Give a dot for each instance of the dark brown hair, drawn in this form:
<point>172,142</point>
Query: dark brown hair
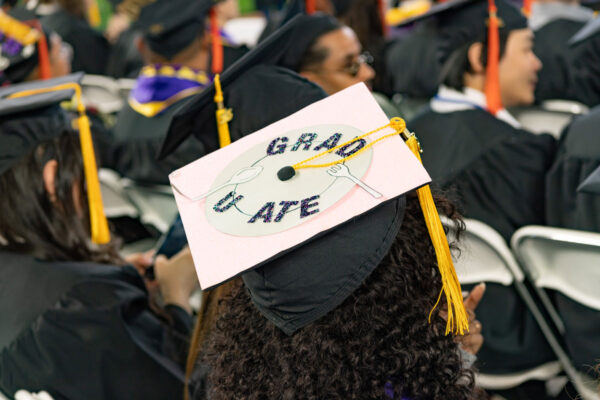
<point>32,223</point>
<point>458,64</point>
<point>377,341</point>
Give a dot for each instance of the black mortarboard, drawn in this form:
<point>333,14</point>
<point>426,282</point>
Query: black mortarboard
<point>30,114</point>
<point>27,121</point>
<point>23,47</point>
<point>305,242</point>
<point>255,87</point>
<point>591,184</point>
<point>169,26</point>
<point>305,284</point>
<point>587,31</point>
<point>464,21</point>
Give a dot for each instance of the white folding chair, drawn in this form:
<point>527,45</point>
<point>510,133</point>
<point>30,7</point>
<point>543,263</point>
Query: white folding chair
<point>156,203</point>
<point>551,117</point>
<point>115,201</point>
<point>126,85</point>
<point>567,261</point>
<point>485,257</point>
<point>101,92</point>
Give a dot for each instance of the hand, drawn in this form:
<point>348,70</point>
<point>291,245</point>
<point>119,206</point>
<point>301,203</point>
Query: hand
<point>176,278</point>
<point>473,340</point>
<point>141,262</point>
<point>116,25</point>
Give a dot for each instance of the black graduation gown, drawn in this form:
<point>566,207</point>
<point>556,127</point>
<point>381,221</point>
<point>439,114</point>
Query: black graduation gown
<point>90,48</point>
<point>496,173</point>
<point>85,331</point>
<point>124,59</point>
<point>412,62</point>
<point>551,47</point>
<point>578,156</point>
<point>135,157</point>
<point>584,79</point>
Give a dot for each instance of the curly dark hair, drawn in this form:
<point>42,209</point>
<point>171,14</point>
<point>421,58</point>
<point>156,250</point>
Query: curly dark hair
<point>377,341</point>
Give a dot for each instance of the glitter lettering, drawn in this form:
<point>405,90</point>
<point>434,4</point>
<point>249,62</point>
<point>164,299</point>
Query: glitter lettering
<point>347,151</point>
<point>219,207</point>
<point>280,148</point>
<point>266,213</point>
<point>285,205</point>
<point>330,143</point>
<point>307,204</point>
<point>305,139</point>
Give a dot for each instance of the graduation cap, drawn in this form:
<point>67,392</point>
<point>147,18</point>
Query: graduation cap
<point>23,46</point>
<point>462,22</point>
<point>591,184</point>
<point>255,85</point>
<point>30,114</point>
<point>587,31</point>
<point>304,242</point>
<point>169,26</point>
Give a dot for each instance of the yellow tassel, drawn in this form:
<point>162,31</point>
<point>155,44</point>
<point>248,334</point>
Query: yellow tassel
<point>458,321</point>
<point>98,222</point>
<point>94,17</point>
<point>223,115</point>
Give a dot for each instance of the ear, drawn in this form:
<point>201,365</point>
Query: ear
<point>49,176</point>
<point>474,56</point>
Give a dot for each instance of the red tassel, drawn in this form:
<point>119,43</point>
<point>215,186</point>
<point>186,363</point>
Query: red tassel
<point>311,7</point>
<point>217,47</point>
<point>381,8</point>
<point>45,71</point>
<point>492,77</point>
<point>527,4</point>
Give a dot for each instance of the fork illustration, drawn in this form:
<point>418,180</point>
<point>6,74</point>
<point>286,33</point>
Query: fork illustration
<point>342,171</point>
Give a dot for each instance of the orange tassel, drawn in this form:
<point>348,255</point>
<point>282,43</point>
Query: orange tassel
<point>527,4</point>
<point>217,47</point>
<point>311,8</point>
<point>492,78</point>
<point>43,55</point>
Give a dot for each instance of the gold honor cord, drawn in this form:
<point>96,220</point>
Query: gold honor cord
<point>99,225</point>
<point>458,321</point>
<point>223,115</point>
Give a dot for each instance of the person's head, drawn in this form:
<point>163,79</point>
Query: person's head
<point>463,50</point>
<point>44,207</point>
<point>377,341</point>
<point>518,67</point>
<point>334,61</point>
<point>173,31</point>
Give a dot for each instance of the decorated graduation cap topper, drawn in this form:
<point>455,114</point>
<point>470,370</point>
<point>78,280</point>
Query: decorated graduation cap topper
<point>308,177</point>
<point>237,198</point>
